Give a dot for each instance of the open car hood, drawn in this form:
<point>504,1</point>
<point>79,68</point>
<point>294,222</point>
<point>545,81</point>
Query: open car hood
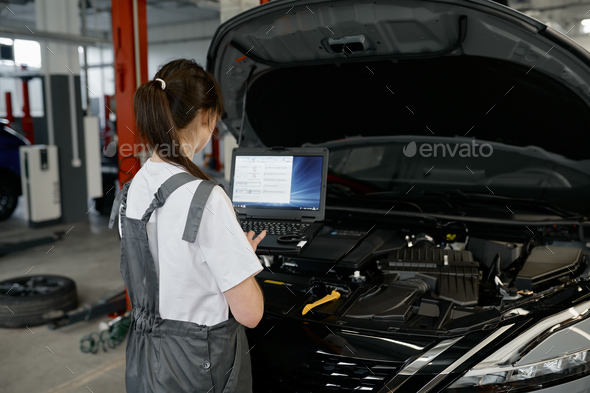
<point>369,80</point>
<point>318,71</point>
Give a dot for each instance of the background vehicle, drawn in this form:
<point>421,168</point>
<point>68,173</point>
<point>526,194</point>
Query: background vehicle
<point>10,184</point>
<point>468,269</point>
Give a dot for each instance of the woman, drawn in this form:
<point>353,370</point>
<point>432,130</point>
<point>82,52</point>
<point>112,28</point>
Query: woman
<point>185,261</point>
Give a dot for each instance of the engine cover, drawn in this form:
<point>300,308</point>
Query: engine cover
<point>454,274</point>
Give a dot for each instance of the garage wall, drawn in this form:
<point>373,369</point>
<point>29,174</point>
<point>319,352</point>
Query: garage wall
<point>160,54</point>
<point>187,40</point>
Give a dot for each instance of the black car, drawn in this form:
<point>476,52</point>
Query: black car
<point>459,171</point>
<point>10,183</point>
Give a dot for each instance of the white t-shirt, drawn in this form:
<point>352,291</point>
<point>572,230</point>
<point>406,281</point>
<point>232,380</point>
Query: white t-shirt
<point>192,276</point>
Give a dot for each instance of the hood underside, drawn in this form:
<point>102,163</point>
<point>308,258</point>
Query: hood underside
<point>447,96</point>
<point>317,71</point>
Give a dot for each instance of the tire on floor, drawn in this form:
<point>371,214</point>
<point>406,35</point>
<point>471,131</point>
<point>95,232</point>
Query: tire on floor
<point>35,300</point>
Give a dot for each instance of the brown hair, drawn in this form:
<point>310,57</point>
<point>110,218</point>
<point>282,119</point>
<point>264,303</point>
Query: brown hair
<point>161,114</point>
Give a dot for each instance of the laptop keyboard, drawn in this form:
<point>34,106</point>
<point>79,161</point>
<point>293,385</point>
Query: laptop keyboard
<point>278,228</point>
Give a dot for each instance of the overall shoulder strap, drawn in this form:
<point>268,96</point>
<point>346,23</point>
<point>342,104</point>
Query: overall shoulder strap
<point>167,188</point>
<point>196,210</point>
<point>117,203</point>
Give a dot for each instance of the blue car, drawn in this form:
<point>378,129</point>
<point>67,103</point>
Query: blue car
<point>10,184</point>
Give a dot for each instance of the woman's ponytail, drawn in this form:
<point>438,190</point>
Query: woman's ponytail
<point>169,103</point>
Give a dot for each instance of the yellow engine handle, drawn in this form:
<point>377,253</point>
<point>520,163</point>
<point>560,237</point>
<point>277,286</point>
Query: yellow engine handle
<point>333,296</point>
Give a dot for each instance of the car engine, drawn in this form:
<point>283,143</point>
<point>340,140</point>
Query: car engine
<point>418,280</point>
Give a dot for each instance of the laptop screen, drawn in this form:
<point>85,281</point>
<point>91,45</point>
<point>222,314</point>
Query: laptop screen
<point>277,182</point>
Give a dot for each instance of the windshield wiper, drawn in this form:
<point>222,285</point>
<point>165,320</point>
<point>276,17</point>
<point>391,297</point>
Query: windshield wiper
<point>405,197</point>
<point>457,195</point>
<point>526,203</point>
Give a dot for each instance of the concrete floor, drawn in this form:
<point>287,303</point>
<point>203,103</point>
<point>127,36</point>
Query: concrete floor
<point>44,360</point>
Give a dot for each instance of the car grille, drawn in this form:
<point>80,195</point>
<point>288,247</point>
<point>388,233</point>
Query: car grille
<point>322,372</point>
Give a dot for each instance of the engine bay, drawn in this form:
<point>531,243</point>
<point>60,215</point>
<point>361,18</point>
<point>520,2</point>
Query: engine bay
<point>419,279</point>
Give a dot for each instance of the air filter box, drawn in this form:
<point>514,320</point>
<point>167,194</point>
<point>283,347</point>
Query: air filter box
<point>544,264</point>
<point>454,274</point>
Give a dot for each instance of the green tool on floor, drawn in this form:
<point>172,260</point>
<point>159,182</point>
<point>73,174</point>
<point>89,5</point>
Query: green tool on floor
<point>111,337</point>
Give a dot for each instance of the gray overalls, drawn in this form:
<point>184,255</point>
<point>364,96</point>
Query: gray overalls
<point>166,355</point>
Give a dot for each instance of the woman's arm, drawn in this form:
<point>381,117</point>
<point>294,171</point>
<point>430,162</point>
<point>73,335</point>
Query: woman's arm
<point>245,299</point>
<point>246,302</point>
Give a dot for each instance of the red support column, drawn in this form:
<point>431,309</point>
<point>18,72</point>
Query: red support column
<point>130,72</point>
<point>126,77</point>
<point>9,115</point>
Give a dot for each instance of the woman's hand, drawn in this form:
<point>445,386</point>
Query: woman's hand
<point>254,242</point>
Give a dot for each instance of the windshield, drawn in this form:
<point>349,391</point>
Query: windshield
<point>408,166</point>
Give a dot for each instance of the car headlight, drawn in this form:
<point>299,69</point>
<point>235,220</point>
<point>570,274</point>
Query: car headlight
<point>525,364</point>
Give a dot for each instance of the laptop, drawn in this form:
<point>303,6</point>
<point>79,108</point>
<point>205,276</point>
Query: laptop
<point>282,190</point>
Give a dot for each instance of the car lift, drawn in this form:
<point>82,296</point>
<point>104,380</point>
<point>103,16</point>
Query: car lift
<point>114,304</point>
